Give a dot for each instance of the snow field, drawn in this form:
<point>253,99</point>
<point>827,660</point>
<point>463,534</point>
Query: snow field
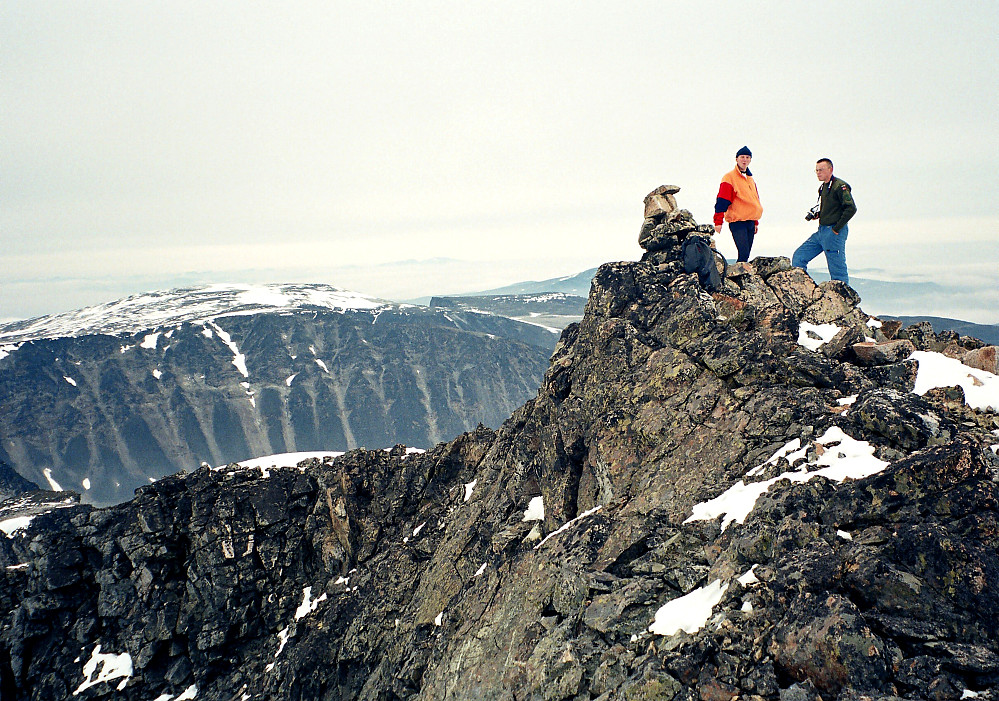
<point>981,388</point>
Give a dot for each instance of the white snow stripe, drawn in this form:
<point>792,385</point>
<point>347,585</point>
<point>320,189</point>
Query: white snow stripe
<point>565,526</point>
<point>239,360</point>
<point>843,458</point>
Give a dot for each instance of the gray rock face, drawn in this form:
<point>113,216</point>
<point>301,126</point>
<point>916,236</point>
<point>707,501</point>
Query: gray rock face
<point>117,411</point>
<point>383,575</point>
<point>12,484</point>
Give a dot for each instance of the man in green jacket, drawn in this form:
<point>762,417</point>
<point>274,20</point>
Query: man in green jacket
<point>836,206</point>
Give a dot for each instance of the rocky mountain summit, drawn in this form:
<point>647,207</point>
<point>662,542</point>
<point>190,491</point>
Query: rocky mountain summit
<point>751,494</point>
<point>105,399</point>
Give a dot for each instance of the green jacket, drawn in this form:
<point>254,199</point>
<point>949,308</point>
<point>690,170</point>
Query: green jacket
<point>837,205</point>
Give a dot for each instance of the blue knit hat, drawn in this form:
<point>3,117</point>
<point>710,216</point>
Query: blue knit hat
<point>744,151</point>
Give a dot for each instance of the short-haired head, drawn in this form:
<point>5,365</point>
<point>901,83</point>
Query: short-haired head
<point>824,160</point>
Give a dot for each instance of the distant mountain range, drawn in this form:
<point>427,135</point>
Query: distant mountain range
<point>554,310</point>
<point>986,332</point>
<point>578,284</point>
<point>554,303</point>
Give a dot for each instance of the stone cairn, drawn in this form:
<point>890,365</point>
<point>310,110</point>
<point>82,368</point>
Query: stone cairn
<point>666,225</point>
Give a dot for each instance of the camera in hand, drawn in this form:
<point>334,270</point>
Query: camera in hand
<point>813,213</point>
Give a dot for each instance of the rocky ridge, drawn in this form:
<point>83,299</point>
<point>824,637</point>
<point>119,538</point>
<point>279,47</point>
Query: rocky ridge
<point>384,575</point>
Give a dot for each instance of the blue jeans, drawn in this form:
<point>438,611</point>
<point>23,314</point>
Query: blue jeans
<point>825,241</point>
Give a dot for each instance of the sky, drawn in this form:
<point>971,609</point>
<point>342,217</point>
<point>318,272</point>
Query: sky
<point>409,149</point>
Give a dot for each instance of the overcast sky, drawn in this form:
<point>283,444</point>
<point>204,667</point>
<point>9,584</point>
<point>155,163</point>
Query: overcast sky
<point>154,144</point>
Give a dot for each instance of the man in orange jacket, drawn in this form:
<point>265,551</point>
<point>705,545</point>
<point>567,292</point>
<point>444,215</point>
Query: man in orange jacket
<point>738,203</point>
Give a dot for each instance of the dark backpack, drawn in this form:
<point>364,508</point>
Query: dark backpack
<point>699,257</point>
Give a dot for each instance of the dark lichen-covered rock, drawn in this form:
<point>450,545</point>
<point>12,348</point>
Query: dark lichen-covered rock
<point>388,574</point>
<point>885,353</point>
<point>908,420</point>
<point>826,641</point>
<point>12,484</point>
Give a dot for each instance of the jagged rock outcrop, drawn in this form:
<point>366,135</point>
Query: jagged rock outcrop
<point>104,414</point>
<point>12,484</point>
<point>384,575</point>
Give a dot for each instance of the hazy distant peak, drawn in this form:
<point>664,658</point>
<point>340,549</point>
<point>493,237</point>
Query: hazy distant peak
<point>188,304</point>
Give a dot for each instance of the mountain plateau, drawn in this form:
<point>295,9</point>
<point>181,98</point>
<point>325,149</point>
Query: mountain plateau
<point>108,398</point>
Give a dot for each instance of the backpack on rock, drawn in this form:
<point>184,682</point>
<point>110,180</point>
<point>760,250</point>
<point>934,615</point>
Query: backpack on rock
<point>699,257</point>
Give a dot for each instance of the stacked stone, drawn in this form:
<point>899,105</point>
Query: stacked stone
<point>666,225</point>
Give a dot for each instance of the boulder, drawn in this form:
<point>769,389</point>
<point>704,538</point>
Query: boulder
<point>908,420</point>
<point>983,359</point>
<point>826,640</point>
<point>661,201</point>
<point>920,334</point>
<point>741,269</point>
<point>890,328</point>
<point>841,345</point>
<point>886,353</point>
<point>795,289</point>
<point>766,266</point>
<point>836,303</point>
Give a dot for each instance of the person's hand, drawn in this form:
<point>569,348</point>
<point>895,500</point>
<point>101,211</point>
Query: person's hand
<point>835,233</point>
<point>717,228</point>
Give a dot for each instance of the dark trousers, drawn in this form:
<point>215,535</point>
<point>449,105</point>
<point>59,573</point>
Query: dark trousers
<point>743,233</point>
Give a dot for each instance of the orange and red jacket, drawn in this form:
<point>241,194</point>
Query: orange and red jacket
<point>738,198</point>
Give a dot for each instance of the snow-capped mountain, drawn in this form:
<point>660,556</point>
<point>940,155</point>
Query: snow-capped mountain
<point>104,399</point>
<point>190,305</point>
